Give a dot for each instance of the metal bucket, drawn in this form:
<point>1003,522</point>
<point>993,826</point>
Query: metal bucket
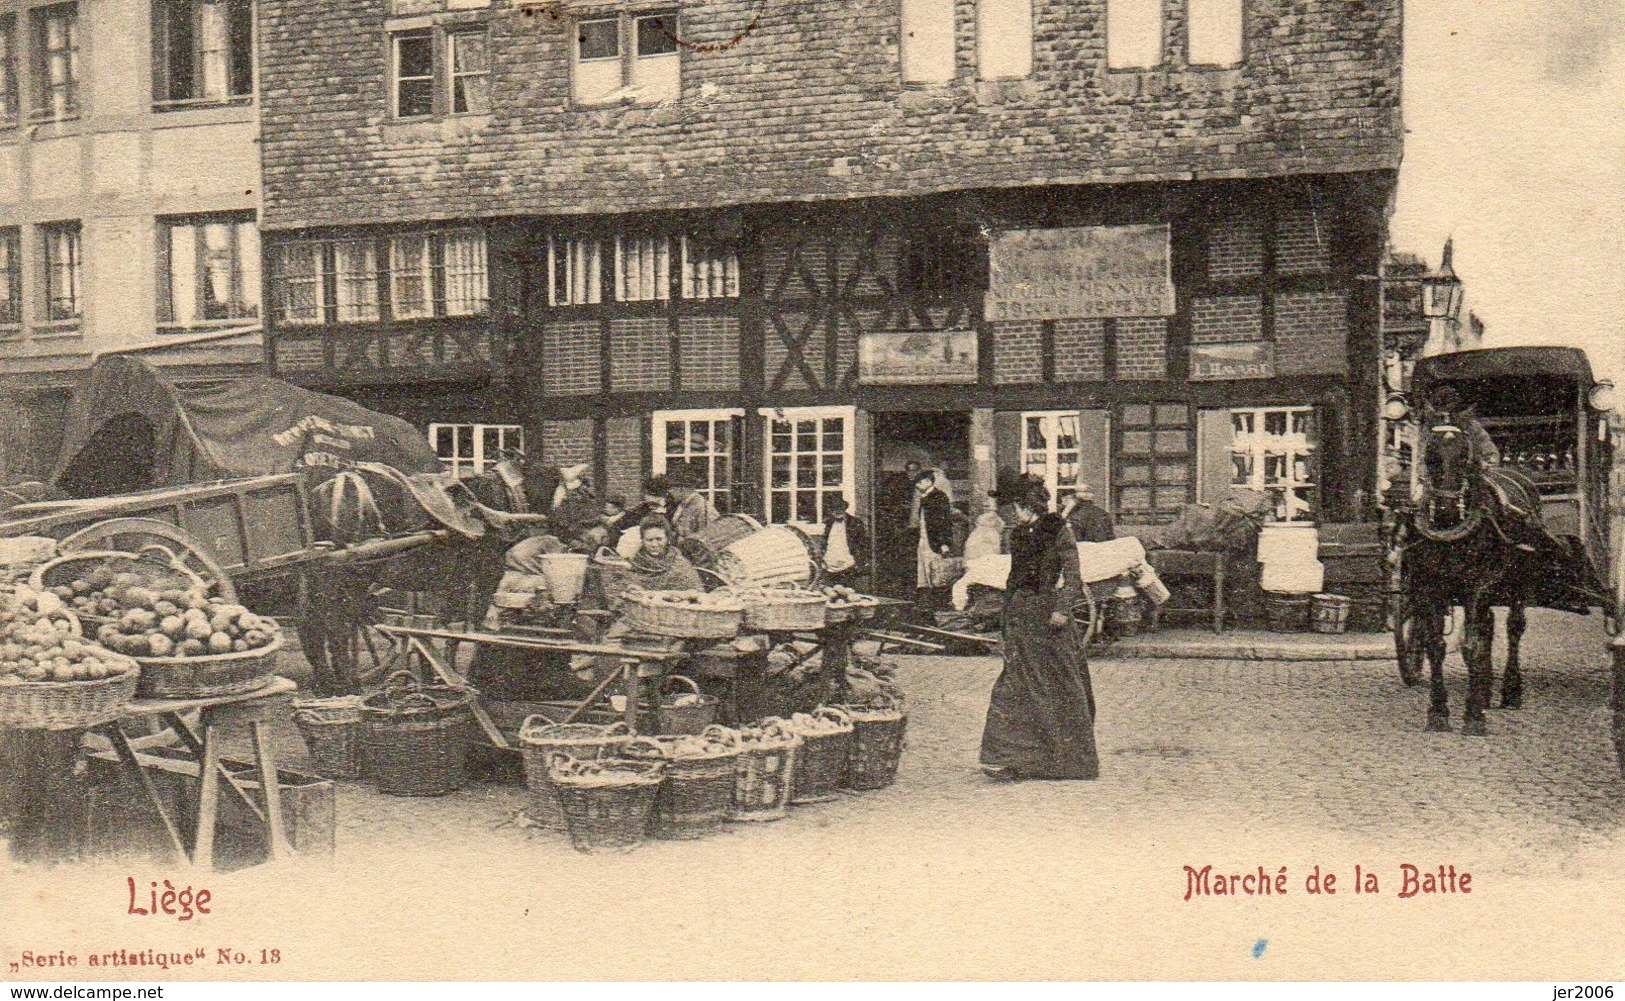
<point>565,573</point>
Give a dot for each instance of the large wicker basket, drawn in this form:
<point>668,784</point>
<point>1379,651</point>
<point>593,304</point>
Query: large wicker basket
<point>825,755</point>
<point>784,610</point>
<point>764,771</point>
<point>697,793</point>
<point>540,739</point>
<point>333,734</point>
<point>67,705</point>
<point>161,568</point>
<point>209,675</point>
<point>607,802</point>
<point>877,744</point>
<point>654,613</point>
<point>417,737</point>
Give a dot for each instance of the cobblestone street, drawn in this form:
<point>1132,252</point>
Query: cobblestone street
<point>1236,764</point>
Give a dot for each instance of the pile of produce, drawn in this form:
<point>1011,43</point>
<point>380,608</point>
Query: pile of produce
<point>566,770</point>
<point>107,591</point>
<point>840,596</point>
<point>152,624</point>
<point>713,742</point>
<point>39,641</point>
<point>769,732</point>
<point>823,724</point>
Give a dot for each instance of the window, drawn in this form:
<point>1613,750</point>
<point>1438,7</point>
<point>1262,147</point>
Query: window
<point>1049,450</point>
<point>471,449</point>
<point>11,277</point>
<point>55,58</point>
<point>927,47</point>
<point>706,442</point>
<point>1004,39</point>
<point>62,271</point>
<point>1153,480</point>
<point>1133,34</point>
<point>440,273</point>
<point>939,261</point>
<point>468,62</point>
<point>8,71</point>
<point>1273,450</point>
<point>574,271</point>
<point>208,269</point>
<point>642,269</point>
<point>414,74</point>
<point>202,51</point>
<point>631,57</point>
<point>709,272</point>
<point>809,462</point>
<point>1215,28</point>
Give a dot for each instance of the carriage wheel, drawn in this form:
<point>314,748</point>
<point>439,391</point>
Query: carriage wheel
<point>1089,616</point>
<point>130,535</point>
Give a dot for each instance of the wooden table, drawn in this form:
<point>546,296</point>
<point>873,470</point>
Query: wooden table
<point>215,715</point>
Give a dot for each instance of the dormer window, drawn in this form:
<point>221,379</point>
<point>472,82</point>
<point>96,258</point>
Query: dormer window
<point>630,58</point>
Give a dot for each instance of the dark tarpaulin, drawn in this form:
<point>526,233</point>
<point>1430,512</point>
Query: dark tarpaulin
<point>130,428</point>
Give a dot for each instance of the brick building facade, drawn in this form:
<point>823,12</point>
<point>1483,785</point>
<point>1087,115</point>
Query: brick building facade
<point>796,244</point>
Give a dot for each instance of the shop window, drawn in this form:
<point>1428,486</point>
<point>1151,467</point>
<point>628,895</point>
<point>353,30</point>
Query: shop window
<point>471,449</point>
<point>809,453</point>
<point>1273,449</point>
<point>62,273</point>
<point>704,441</point>
<point>709,272</point>
<point>1133,34</point>
<point>927,41</point>
<point>9,111</point>
<point>202,52</point>
<point>1153,475</point>
<point>632,57</point>
<point>437,274</point>
<point>208,269</point>
<point>1004,39</point>
<point>642,268</point>
<point>1215,32</point>
<point>11,281</point>
<point>54,58</point>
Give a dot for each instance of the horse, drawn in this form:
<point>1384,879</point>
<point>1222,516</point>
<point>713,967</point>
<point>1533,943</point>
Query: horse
<point>1475,540</point>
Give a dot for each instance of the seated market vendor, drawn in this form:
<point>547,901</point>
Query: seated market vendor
<point>658,566</point>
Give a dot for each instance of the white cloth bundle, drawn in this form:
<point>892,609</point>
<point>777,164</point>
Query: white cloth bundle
<point>1295,577</point>
<point>1096,561</point>
<point>1280,544</point>
<point>630,542</point>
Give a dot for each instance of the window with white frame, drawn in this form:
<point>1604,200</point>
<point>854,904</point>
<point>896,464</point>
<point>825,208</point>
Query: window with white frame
<point>11,280</point>
<point>709,272</point>
<point>302,292</point>
<point>1273,449</point>
<point>927,48</point>
<point>437,274</point>
<point>469,67</point>
<point>209,269</point>
<point>62,271</point>
<point>704,441</point>
<point>202,52</point>
<point>1133,34</point>
<point>574,271</point>
<point>440,71</point>
<point>1050,450</point>
<point>355,270</point>
<point>1004,39</point>
<point>428,274</point>
<point>1214,29</point>
<point>471,449</point>
<point>642,268</point>
<point>413,57</point>
<point>632,57</point>
<point>809,462</point>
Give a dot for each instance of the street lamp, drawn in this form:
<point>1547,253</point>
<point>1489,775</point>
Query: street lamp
<point>1441,290</point>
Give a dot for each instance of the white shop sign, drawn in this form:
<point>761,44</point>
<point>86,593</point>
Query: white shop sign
<point>1080,272</point>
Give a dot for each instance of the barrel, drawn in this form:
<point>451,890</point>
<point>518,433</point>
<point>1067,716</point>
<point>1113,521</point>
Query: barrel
<point>1126,614</point>
<point>1287,612</point>
<point>1329,613</point>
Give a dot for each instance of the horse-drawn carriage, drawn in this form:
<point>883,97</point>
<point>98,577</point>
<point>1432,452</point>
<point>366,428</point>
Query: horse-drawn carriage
<point>1509,508</point>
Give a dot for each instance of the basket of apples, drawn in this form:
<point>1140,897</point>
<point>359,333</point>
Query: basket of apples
<point>51,678</point>
<point>190,646</point>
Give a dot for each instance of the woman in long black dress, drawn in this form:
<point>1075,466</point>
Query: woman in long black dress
<point>1041,720</point>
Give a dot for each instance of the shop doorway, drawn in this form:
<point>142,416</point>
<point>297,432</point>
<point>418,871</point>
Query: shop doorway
<point>935,441</point>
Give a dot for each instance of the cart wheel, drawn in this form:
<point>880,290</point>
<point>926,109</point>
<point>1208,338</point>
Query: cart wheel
<point>131,534</point>
<point>1087,613</point>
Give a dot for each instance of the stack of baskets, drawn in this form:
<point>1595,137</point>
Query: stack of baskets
<point>878,726</point>
<point>778,554</point>
<point>764,770</point>
<point>826,752</point>
<point>540,739</point>
<point>416,737</point>
<point>332,731</point>
<point>697,792</point>
<point>606,803</point>
<point>684,614</point>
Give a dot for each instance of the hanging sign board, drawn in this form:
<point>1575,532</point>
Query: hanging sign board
<point>1252,360</point>
<point>1080,272</point>
<point>916,357</point>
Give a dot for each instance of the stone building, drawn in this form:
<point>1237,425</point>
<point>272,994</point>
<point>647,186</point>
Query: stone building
<point>1115,241</point>
<point>129,187</point>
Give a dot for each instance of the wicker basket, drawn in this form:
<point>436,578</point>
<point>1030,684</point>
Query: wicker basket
<point>416,737</point>
<point>646,613</point>
<point>162,569</point>
<point>764,771</point>
<point>785,610</point>
<point>724,532</point>
<point>210,675</point>
<point>778,554</point>
<point>606,803</point>
<point>67,705</point>
<point>333,734</point>
<point>821,768</point>
<point>698,791</point>
<point>671,718</point>
<point>877,744</point>
<point>540,739</point>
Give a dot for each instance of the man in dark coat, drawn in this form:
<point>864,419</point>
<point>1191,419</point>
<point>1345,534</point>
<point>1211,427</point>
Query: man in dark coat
<point>936,536</point>
<point>846,548</point>
<point>1089,521</point>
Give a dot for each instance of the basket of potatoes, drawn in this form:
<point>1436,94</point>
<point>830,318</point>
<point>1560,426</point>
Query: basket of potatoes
<point>51,678</point>
<point>195,648</point>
